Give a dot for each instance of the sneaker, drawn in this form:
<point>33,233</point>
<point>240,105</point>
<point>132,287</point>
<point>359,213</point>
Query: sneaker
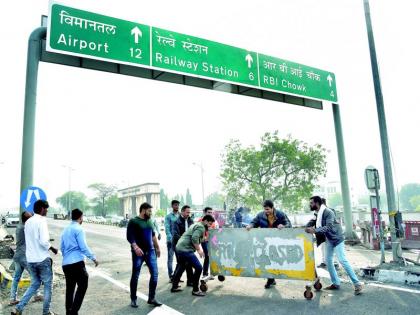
<point>16,312</point>
<point>333,287</point>
<point>322,265</point>
<point>176,289</point>
<point>269,283</point>
<point>198,293</point>
<point>210,277</point>
<point>154,302</point>
<point>134,304</point>
<point>13,302</point>
<point>358,289</point>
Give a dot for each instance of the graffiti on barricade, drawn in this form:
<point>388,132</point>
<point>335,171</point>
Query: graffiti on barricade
<point>262,253</point>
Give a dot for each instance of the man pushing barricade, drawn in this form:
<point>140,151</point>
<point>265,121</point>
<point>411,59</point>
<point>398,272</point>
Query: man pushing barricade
<point>187,245</point>
<point>327,229</point>
<point>270,218</point>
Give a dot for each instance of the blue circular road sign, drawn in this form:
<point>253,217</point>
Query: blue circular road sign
<point>29,196</point>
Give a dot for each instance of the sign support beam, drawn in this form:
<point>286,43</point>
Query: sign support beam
<point>28,140</point>
<point>345,191</point>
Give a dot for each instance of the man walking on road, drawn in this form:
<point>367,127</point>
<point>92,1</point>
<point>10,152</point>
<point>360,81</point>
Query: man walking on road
<point>144,248</point>
<point>326,228</point>
<point>180,227</point>
<point>19,260</point>
<point>74,250</point>
<point>37,240</point>
<point>270,218</point>
<point>186,247</point>
<point>169,223</point>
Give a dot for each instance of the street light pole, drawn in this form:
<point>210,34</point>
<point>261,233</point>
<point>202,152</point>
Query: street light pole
<point>202,179</point>
<point>386,156</point>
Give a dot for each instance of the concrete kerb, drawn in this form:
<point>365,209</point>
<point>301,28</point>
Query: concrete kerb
<point>410,276</point>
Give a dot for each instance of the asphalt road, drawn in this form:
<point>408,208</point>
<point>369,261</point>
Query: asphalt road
<point>107,293</point>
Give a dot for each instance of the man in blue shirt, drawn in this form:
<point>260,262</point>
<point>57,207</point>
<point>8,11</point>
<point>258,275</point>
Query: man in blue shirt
<point>74,250</point>
<point>170,220</point>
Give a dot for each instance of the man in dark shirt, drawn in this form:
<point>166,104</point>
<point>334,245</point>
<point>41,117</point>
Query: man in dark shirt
<point>180,226</point>
<point>144,248</point>
<point>270,218</point>
<point>19,260</point>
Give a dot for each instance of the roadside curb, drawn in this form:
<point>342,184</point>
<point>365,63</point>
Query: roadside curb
<point>404,277</point>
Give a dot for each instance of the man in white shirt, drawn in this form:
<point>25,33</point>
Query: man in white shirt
<point>39,261</point>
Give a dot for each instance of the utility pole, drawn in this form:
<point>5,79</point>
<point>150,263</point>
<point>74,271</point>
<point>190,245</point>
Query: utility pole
<point>389,182</point>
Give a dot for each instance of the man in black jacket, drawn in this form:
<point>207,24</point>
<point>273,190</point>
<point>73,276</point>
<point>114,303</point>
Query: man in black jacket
<point>327,229</point>
<point>270,218</point>
<point>181,225</point>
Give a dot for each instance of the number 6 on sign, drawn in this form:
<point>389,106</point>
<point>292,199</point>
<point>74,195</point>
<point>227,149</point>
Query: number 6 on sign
<point>135,53</point>
<point>251,76</point>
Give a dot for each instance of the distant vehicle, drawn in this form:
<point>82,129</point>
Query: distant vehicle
<point>12,220</point>
<point>99,219</point>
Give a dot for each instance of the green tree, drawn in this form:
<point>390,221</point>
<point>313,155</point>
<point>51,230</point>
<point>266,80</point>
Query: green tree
<point>335,200</point>
<point>77,200</point>
<point>215,200</point>
<point>165,203</point>
<point>406,193</point>
<point>188,198</point>
<point>283,170</point>
<point>415,202</point>
<point>103,192</point>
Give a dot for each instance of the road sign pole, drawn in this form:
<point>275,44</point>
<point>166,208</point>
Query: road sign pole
<point>389,181</point>
<point>345,191</point>
<point>34,56</point>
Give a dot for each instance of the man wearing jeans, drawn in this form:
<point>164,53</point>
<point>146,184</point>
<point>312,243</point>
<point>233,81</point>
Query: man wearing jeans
<point>144,248</point>
<point>326,228</point>
<point>170,220</point>
<point>205,243</point>
<point>39,261</point>
<point>187,245</point>
<point>74,250</point>
<point>19,260</point>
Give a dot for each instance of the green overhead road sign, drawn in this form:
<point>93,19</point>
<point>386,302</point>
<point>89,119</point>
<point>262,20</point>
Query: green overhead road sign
<point>82,33</point>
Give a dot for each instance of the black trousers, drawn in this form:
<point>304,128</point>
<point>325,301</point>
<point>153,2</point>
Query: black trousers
<point>188,269</point>
<point>76,274</point>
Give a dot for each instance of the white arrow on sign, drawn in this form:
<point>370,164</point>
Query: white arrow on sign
<point>249,59</point>
<point>29,196</point>
<point>137,33</point>
<point>329,78</point>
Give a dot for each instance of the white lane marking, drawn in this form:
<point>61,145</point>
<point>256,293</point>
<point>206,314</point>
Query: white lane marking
<point>164,309</point>
<point>393,288</point>
<point>325,274</point>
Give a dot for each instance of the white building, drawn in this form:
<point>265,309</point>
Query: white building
<point>132,197</point>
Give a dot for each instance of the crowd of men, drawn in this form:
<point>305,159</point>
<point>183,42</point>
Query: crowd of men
<point>184,239</point>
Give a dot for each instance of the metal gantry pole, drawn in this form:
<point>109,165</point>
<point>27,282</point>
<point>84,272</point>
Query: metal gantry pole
<point>28,140</point>
<point>345,191</point>
<point>389,181</point>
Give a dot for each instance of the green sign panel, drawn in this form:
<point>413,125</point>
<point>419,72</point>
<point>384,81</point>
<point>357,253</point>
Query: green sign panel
<point>83,33</point>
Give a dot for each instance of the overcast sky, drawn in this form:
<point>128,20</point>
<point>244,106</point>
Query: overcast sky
<point>125,131</point>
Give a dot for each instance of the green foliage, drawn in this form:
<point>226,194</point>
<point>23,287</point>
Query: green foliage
<point>188,198</point>
<point>215,200</point>
<point>77,200</point>
<point>407,192</point>
<point>160,213</point>
<point>104,194</point>
<point>164,200</point>
<point>283,170</point>
<point>335,200</point>
<point>415,202</point>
